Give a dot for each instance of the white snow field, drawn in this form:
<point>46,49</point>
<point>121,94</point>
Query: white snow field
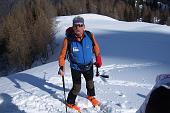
<point>133,54</point>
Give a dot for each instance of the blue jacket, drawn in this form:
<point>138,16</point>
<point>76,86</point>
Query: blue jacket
<point>80,53</point>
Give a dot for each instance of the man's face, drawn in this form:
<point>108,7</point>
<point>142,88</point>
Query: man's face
<point>78,29</point>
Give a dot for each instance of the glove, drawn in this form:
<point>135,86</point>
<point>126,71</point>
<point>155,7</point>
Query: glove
<point>61,71</point>
<point>98,61</point>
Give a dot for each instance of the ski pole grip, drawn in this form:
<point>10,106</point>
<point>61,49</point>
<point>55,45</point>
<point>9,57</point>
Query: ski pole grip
<point>97,71</point>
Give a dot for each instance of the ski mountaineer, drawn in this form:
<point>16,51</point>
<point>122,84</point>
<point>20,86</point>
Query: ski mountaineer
<point>80,45</point>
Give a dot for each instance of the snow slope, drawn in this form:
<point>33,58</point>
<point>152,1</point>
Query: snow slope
<point>133,53</point>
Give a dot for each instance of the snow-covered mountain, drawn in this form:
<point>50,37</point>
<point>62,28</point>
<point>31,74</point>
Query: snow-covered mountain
<point>133,53</point>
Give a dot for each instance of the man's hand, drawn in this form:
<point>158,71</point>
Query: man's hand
<point>61,71</point>
<point>98,61</point>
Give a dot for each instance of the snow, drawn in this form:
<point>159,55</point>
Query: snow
<point>133,54</point>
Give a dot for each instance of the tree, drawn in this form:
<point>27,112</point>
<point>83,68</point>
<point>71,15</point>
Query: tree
<point>168,21</point>
<point>18,40</point>
<point>119,10</point>
<point>146,14</point>
<point>27,31</point>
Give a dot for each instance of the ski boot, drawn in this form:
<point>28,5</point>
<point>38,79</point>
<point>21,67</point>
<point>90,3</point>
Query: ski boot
<point>94,101</point>
<point>74,107</point>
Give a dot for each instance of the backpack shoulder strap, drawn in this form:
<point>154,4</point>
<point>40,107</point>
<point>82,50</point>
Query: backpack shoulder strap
<point>89,35</point>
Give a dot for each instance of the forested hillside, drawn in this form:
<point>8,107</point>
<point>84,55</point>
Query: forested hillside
<point>26,27</point>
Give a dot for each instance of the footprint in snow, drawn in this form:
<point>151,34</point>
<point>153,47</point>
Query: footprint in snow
<point>121,105</point>
<point>120,94</point>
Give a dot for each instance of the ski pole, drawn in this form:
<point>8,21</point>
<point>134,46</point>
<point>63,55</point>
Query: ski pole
<point>97,71</point>
<point>64,93</point>
<point>98,74</point>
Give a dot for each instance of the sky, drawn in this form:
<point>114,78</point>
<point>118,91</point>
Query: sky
<point>133,54</point>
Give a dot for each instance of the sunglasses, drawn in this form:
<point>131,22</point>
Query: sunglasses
<point>78,25</point>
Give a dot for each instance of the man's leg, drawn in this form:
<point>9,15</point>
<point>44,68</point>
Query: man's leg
<point>76,78</point>
<point>88,75</point>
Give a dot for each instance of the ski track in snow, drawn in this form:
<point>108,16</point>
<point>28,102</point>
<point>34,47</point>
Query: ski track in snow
<point>129,83</point>
<point>107,68</point>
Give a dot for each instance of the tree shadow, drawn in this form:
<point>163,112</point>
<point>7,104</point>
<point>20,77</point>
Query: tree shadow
<point>6,105</point>
<point>39,83</point>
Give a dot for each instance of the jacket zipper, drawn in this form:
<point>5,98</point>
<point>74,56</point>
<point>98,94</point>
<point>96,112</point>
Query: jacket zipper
<point>83,51</point>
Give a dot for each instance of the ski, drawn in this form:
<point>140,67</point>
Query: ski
<point>74,108</point>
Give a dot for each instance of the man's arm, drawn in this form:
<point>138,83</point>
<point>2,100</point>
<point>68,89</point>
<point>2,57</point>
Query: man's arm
<point>96,50</point>
<point>63,54</point>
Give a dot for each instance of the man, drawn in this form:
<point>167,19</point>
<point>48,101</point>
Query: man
<point>80,46</point>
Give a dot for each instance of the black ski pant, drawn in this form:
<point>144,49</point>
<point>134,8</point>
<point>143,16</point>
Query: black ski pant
<point>76,78</point>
